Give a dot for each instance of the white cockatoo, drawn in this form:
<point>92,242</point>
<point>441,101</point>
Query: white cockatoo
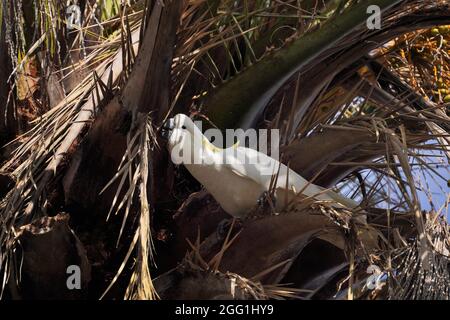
<point>238,177</point>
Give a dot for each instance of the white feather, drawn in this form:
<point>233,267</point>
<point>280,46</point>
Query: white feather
<point>237,177</point>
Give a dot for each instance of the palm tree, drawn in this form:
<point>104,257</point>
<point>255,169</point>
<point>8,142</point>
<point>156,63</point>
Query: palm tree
<point>86,180</point>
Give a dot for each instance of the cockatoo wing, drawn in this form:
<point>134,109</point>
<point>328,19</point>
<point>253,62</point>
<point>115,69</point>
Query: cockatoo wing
<point>247,162</point>
<point>262,169</point>
<point>267,171</point>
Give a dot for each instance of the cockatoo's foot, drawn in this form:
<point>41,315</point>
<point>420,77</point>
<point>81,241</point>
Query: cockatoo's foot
<point>224,227</point>
<point>266,202</point>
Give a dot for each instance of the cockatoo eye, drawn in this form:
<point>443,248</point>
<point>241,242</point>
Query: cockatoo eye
<point>183,127</point>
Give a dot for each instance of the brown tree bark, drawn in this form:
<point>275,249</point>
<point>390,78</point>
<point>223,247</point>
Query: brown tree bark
<point>8,122</point>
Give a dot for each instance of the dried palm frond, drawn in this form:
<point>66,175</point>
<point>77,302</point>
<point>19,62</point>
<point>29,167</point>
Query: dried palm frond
<point>141,286</point>
<point>251,287</point>
<point>45,147</point>
<point>411,279</point>
<point>135,166</point>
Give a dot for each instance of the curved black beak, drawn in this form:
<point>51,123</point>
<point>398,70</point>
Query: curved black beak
<point>167,128</point>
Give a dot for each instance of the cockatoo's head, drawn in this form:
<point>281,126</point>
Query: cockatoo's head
<point>178,129</point>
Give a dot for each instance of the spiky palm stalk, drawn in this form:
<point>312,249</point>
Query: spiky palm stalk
<point>135,165</point>
<point>315,72</point>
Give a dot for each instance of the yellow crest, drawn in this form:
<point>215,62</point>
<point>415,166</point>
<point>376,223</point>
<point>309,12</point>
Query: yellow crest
<point>213,148</point>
